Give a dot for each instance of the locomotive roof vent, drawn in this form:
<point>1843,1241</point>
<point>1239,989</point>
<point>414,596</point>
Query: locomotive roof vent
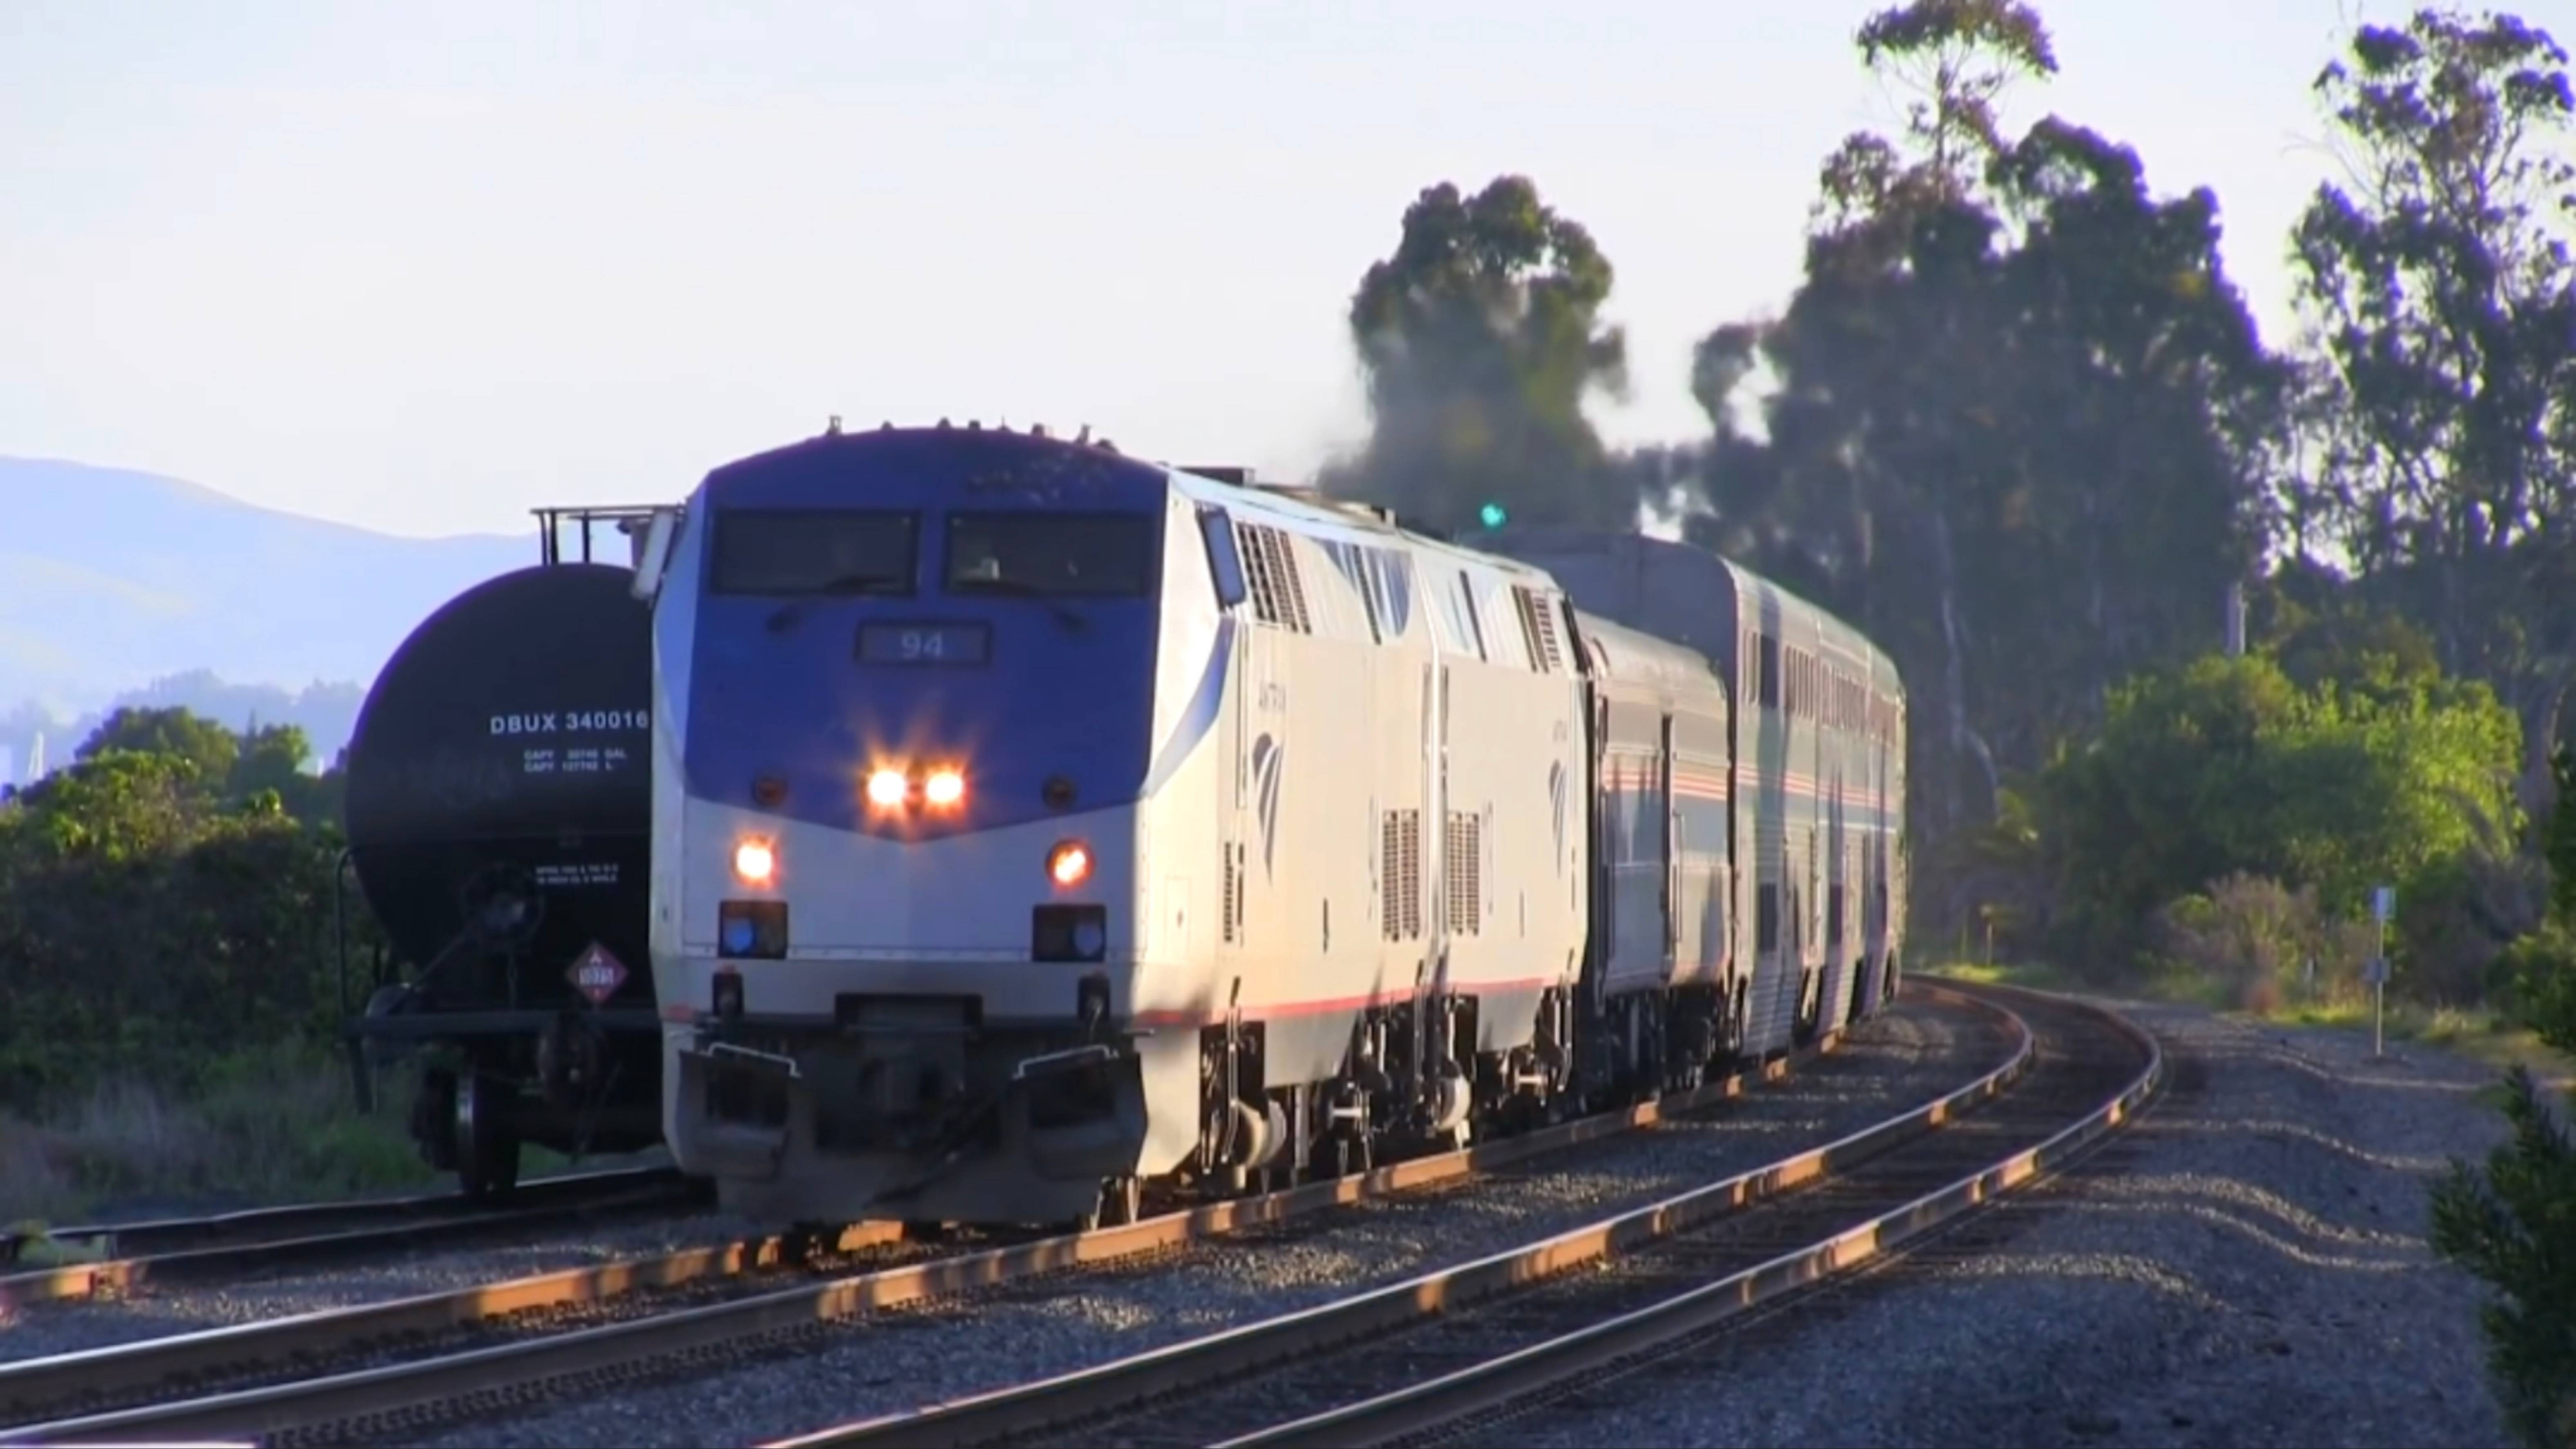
<point>1315,497</point>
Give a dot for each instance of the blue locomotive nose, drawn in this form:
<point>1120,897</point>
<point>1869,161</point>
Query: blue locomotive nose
<point>922,635</point>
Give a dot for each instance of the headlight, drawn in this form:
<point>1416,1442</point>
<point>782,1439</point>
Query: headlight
<point>886,789</point>
<point>754,861</point>
<point>944,788</point>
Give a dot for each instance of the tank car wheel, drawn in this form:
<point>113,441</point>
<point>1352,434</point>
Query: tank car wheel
<point>487,1149</point>
<point>433,1120</point>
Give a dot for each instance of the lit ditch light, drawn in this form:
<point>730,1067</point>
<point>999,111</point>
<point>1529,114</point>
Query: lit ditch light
<point>1069,864</point>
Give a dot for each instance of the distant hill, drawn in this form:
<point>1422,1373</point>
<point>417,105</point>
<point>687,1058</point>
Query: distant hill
<point>111,580</point>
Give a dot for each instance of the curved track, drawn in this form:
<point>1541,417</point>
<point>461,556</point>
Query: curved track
<point>390,1398</point>
<point>127,1255</point>
<point>1424,1357</point>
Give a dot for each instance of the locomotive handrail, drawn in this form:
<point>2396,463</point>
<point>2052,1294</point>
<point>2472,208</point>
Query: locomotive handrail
<point>552,518</point>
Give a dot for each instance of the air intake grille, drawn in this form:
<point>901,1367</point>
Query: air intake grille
<point>1464,857</point>
<point>1233,895</point>
<point>1400,874</point>
<point>1270,569</point>
<point>1538,627</point>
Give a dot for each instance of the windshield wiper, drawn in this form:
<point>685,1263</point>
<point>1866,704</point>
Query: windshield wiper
<point>1018,589</point>
<point>786,614</point>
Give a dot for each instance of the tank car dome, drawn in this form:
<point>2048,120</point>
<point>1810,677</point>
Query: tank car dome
<point>503,757</point>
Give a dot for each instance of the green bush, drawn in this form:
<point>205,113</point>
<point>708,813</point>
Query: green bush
<point>2253,944</point>
<point>2226,766</point>
<point>2513,1223</point>
<point>168,1008</point>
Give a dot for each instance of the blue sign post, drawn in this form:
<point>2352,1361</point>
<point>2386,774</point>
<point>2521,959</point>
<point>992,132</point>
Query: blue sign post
<point>2383,909</point>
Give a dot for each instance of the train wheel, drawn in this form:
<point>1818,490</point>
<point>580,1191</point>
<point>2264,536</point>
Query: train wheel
<point>487,1146</point>
<point>1122,1201</point>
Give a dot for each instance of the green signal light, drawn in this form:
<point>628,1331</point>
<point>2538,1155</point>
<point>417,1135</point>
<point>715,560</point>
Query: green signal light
<point>1491,515</point>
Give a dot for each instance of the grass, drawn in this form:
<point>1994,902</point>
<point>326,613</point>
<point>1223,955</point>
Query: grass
<point>2034,975</point>
<point>2473,1032</point>
<point>269,1125</point>
<point>273,1124</point>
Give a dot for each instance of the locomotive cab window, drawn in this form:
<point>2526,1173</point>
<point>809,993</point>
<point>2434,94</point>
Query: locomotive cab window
<point>1086,554</point>
<point>812,551</point>
<point>1225,563</point>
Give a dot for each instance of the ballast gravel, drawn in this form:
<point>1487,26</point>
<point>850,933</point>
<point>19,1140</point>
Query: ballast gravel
<point>897,1360</point>
<point>2248,1266</point>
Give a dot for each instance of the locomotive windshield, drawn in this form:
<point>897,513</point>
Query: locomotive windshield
<point>1088,554</point>
<point>813,551</point>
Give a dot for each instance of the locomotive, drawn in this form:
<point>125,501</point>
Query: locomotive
<point>1036,823</point>
<point>498,813</point>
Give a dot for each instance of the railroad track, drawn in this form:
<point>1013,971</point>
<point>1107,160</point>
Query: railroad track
<point>124,1256</point>
<point>233,1375</point>
<point>1425,1359</point>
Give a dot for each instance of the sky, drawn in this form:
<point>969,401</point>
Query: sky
<point>423,268</point>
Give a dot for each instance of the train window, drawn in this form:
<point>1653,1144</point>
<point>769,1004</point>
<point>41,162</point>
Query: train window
<point>1766,918</point>
<point>1770,676</point>
<point>1093,554</point>
<point>1475,627</point>
<point>812,551</point>
<point>1224,563</point>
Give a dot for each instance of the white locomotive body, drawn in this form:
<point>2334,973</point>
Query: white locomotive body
<point>1035,822</point>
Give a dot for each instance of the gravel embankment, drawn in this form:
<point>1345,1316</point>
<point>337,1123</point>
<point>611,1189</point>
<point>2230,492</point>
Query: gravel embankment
<point>2247,1267</point>
<point>1012,1334</point>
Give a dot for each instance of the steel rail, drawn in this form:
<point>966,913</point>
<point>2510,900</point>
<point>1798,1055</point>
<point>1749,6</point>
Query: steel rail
<point>1082,1395</point>
<point>366,1394</point>
<point>1534,1371</point>
<point>173,1249</point>
<point>38,1385</point>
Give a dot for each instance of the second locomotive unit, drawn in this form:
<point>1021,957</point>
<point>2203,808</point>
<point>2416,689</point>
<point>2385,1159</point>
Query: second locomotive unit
<point>1035,822</point>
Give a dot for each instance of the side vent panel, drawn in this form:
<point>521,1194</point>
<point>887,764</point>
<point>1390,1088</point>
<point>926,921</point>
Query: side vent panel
<point>1400,875</point>
<point>1466,872</point>
<point>1538,629</point>
<point>1233,894</point>
<point>1270,567</point>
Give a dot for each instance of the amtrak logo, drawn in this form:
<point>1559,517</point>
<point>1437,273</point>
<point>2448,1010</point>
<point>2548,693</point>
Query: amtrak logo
<point>1556,805</point>
<point>1266,755</point>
